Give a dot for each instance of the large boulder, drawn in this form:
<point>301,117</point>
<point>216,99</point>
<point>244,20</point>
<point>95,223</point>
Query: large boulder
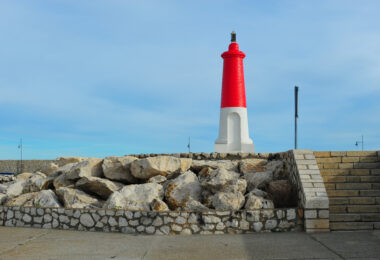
<point>135,196</point>
<point>15,189</point>
<point>282,193</point>
<point>87,168</point>
<point>258,179</point>
<point>238,185</point>
<point>62,181</point>
<point>61,161</point>
<point>24,176</point>
<point>198,165</point>
<point>119,169</point>
<point>218,179</point>
<point>228,201</point>
<point>64,169</point>
<point>192,204</point>
<point>99,186</point>
<point>3,188</point>
<point>255,202</point>
<point>37,183</point>
<point>160,165</point>
<point>180,189</point>
<point>45,198</point>
<point>73,198</point>
<point>50,169</point>
<point>252,165</point>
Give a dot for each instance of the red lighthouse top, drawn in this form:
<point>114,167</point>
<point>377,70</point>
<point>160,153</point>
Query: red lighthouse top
<point>233,87</point>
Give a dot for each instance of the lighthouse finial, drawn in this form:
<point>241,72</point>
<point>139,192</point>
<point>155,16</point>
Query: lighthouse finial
<point>233,36</point>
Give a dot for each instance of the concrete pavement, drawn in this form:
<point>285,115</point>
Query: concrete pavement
<point>29,243</point>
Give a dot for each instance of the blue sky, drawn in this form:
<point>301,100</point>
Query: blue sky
<point>98,78</point>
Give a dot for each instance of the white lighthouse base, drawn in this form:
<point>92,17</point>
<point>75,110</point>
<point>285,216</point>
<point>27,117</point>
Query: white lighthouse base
<point>233,131</point>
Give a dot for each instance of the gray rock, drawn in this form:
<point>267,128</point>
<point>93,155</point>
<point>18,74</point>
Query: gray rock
<point>87,168</point>
<point>219,179</point>
<point>73,198</point>
<point>157,179</point>
<point>119,169</point>
<point>258,179</point>
<point>86,220</point>
<point>254,202</point>
<point>102,187</point>
<point>180,189</point>
<point>37,183</point>
<point>252,165</point>
<point>135,196</point>
<point>228,201</point>
<point>192,204</point>
<point>16,188</point>
<point>160,165</point>
<point>50,169</point>
<point>62,181</point>
<point>238,185</point>
<point>229,165</point>
<point>45,198</point>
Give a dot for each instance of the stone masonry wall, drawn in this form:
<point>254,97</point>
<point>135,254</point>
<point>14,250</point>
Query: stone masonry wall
<point>312,197</point>
<point>352,180</point>
<point>13,166</point>
<point>158,223</point>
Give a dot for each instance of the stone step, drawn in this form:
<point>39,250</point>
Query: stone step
<point>354,209</point>
<point>354,225</point>
<point>353,193</point>
<point>351,179</point>
<point>349,172</point>
<point>354,217</point>
<point>355,201</point>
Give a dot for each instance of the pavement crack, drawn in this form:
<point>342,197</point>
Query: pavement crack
<point>328,248</point>
<point>22,243</point>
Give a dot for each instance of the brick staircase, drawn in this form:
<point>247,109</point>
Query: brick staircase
<point>352,181</point>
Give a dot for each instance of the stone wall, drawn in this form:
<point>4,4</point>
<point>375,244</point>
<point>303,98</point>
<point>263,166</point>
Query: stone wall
<point>13,166</point>
<point>312,197</point>
<point>352,180</point>
<point>159,223</point>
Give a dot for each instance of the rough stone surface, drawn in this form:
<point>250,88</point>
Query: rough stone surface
<point>159,205</point>
<point>180,189</point>
<point>64,160</point>
<point>228,201</point>
<point>135,196</point>
<point>258,179</point>
<point>219,179</point>
<point>198,165</point>
<point>119,169</point>
<point>87,168</point>
<point>254,202</point>
<point>160,165</point>
<point>102,187</point>
<point>73,198</point>
<point>252,165</point>
<point>45,198</point>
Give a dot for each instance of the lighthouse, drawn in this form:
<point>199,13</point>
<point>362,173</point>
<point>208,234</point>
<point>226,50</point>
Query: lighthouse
<point>233,124</point>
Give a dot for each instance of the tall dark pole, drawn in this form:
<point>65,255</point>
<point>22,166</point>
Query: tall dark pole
<point>295,116</point>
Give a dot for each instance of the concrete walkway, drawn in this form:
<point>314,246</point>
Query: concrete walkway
<point>29,243</point>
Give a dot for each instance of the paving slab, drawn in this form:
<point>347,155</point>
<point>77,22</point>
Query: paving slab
<point>30,243</point>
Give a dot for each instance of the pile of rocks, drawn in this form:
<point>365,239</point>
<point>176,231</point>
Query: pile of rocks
<point>160,183</point>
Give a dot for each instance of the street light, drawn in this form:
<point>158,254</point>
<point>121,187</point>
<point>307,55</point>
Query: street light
<point>362,142</point>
